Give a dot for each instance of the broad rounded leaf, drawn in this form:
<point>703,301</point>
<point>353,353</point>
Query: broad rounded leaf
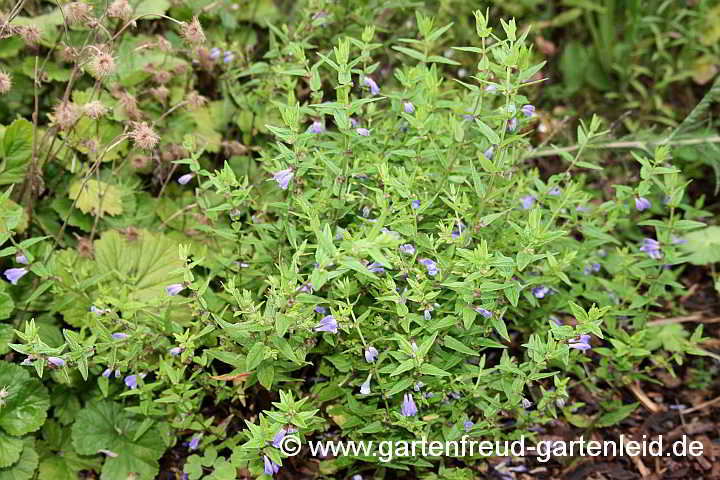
<point>104,425</point>
<point>92,196</point>
<point>10,448</point>
<point>703,246</point>
<point>24,468</point>
<point>25,408</point>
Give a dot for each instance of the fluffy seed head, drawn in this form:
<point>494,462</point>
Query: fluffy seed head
<point>162,77</point>
<point>65,115</point>
<point>195,100</point>
<point>30,34</point>
<point>120,9</point>
<point>102,64</point>
<point>160,93</point>
<point>5,82</point>
<point>193,32</point>
<point>77,12</point>
<point>143,136</point>
<point>95,109</point>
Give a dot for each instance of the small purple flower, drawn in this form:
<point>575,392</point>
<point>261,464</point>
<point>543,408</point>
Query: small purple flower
<point>376,267</point>
<point>371,354</point>
<point>365,387</point>
<point>468,117</point>
<point>580,343</point>
<point>459,228</point>
<point>593,267</point>
<point>317,128</point>
<point>15,274</point>
<point>652,248</point>
<point>20,258</point>
<point>540,291</point>
<point>408,107</point>
<point>57,361</point>
<point>528,110</point>
<point>485,313</point>
<point>321,310</point>
<point>512,125</point>
<point>363,131</point>
<point>305,288</point>
<point>117,373</point>
<point>215,53</point>
<point>120,336</point>
<point>491,89</point>
<point>271,468</point>
<point>194,441</point>
<point>327,324</point>
<point>229,56</point>
<point>107,373</point>
<point>97,311</point>
<point>374,89</point>
<point>555,191</point>
<point>409,409</point>
<point>174,289</point>
<point>278,438</point>
<point>415,204</point>
<point>407,248</point>
<point>642,203</point>
<point>185,179</point>
<point>283,177</point>
<point>468,425</point>
<point>427,314</point>
<point>582,208</point>
<point>431,266</point>
<point>354,122</point>
<point>131,381</point>
<point>175,351</point>
<point>527,201</point>
<point>489,152</point>
<point>677,240</point>
<point>418,386</point>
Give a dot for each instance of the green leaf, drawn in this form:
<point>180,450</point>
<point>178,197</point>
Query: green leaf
<point>10,448</point>
<point>103,425</point>
<point>24,468</point>
<point>92,196</point>
<point>27,402</point>
<point>255,356</point>
<point>430,369</point>
<point>144,263</point>
<point>266,375</point>
<point>150,7</point>
<point>16,151</point>
<point>703,246</point>
<point>616,416</point>
<point>458,346</point>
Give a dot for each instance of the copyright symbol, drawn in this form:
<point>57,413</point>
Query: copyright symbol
<point>290,445</point>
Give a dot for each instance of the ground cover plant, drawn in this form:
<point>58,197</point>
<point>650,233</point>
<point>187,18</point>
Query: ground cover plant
<point>224,224</point>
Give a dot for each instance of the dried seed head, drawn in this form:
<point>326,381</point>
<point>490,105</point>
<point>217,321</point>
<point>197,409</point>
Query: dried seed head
<point>102,64</point>
<point>162,77</point>
<point>120,9</point>
<point>195,100</point>
<point>65,115</point>
<point>84,246</point>
<point>67,53</point>
<point>77,12</point>
<point>95,109</point>
<point>139,161</point>
<point>143,136</point>
<point>5,82</point>
<point>30,34</point>
<point>193,32</point>
<point>180,68</point>
<point>163,44</point>
<point>129,105</point>
<point>160,93</point>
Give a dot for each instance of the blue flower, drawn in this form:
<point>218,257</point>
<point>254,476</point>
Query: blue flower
<point>194,441</point>
<point>485,313</point>
<point>20,258</point>
<point>175,351</point>
<point>489,152</point>
<point>652,248</point>
<point>185,179</point>
<point>491,89</point>
<point>271,468</point>
<point>215,53</point>
<point>107,373</point>
<point>120,336</point>
<point>321,310</point>
<point>540,291</point>
<point>527,201</point>
<point>468,425</point>
<point>407,248</point>
<point>57,361</point>
<point>278,438</point>
<point>365,387</point>
<point>317,127</point>
<point>408,107</point>
<point>174,289</point>
<point>642,203</point>
<point>371,354</point>
<point>363,131</point>
<point>427,314</point>
<point>131,381</point>
<point>459,228</point>
<point>677,240</point>
<point>229,57</point>
<point>415,204</point>
<point>305,288</point>
<point>374,89</point>
<point>376,267</point>
<point>555,191</point>
<point>512,125</point>
<point>327,324</point>
<point>580,343</point>
<point>431,266</point>
<point>528,110</point>
<point>409,409</point>
<point>283,177</point>
<point>15,274</point>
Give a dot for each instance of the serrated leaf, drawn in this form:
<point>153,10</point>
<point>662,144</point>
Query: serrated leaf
<point>24,468</point>
<point>25,408</point>
<point>94,196</point>
<point>103,425</point>
<point>703,246</point>
<point>10,448</point>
